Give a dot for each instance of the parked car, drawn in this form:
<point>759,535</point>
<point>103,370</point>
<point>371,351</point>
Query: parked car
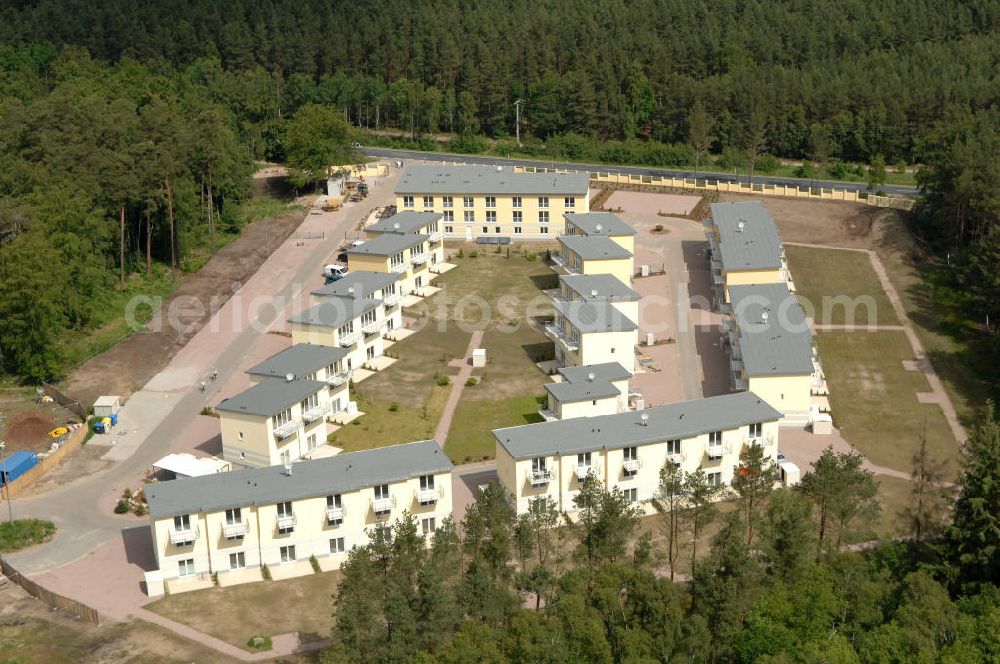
<point>333,272</point>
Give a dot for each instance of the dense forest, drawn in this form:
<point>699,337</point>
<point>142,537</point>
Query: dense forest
<point>207,87</point>
<point>774,584</point>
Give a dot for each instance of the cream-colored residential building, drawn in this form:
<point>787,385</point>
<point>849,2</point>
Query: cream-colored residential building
<point>592,333</point>
<point>626,451</point>
<point>579,254</point>
<point>382,286</point>
<point>598,288</point>
<point>584,391</point>
<point>771,350</point>
<point>745,248</point>
<point>477,200</point>
<point>277,421</point>
<point>304,362</point>
<point>233,524</point>
<point>601,224</point>
<point>356,324</point>
<point>410,255</point>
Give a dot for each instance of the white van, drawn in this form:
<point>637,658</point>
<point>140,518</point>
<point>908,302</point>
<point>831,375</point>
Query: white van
<point>333,272</point>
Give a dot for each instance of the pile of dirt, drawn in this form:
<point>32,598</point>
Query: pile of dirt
<point>29,430</point>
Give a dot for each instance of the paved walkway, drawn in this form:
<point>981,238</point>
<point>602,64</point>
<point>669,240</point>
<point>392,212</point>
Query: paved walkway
<point>457,386</point>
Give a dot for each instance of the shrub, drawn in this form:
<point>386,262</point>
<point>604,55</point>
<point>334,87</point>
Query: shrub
<point>215,579</point>
<point>393,407</point>
<point>766,164</point>
<point>460,254</point>
<point>658,228</point>
<point>24,533</point>
<point>206,410</point>
<point>259,643</point>
<point>122,507</point>
<point>468,458</point>
<point>471,381</point>
<point>805,171</point>
<point>443,380</point>
<point>530,256</point>
<point>139,509</point>
<point>265,573</point>
<point>473,254</point>
<point>315,564</point>
<point>127,494</point>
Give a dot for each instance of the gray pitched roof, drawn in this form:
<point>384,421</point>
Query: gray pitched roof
<point>594,248</point>
<point>388,244</point>
<point>748,236</point>
<point>483,179</point>
<point>781,345</point>
<point>671,422</point>
<point>298,360</point>
<point>575,392</point>
<point>594,316</point>
<point>607,371</point>
<point>335,311</point>
<point>596,287</point>
<point>363,283</point>
<point>342,473</point>
<point>599,223</point>
<point>270,396</point>
<point>405,222</point>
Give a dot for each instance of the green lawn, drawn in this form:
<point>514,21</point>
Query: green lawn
<point>23,533</point>
<point>471,434</point>
<point>821,274</point>
<point>267,608</point>
<point>893,496</point>
<point>384,424</point>
<point>874,398</point>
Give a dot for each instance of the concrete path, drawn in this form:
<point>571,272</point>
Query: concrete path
<point>457,386</point>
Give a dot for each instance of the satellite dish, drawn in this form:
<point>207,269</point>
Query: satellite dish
<point>645,419</point>
<point>499,169</point>
<point>598,228</point>
<point>289,377</point>
<point>590,376</point>
<point>396,225</point>
<point>764,316</point>
<point>593,292</point>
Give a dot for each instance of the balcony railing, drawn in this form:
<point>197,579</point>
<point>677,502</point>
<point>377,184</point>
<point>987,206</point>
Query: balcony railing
<point>238,529</point>
<point>349,339</point>
<point>631,465</point>
<point>286,521</point>
<point>547,414</point>
<point>371,328</point>
<point>285,430</point>
<point>390,299</point>
<point>583,471</point>
<point>334,513</point>
<point>399,268</point>
<point>338,379</point>
<point>419,259</point>
<point>436,236</point>
<point>562,263</point>
<point>677,457</point>
<point>316,412</point>
<point>183,536</point>
<point>383,505</point>
<point>429,495</point>
<point>540,477</point>
<point>557,334</point>
<point>717,450</point>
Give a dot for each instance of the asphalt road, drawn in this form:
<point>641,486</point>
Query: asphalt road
<point>899,190</point>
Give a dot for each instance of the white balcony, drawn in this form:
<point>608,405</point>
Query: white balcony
<point>421,258</point>
<point>428,495</point>
<point>390,299</point>
<point>383,505</point>
<point>285,430</point>
<point>238,529</point>
<point>316,412</point>
<point>286,521</point>
<point>348,339</point>
<point>436,236</point>
<point>717,450</point>
<point>371,328</point>
<point>399,268</point>
<point>563,264</point>
<point>338,379</point>
<point>557,334</point>
<point>583,471</point>
<point>334,513</point>
<point>631,465</point>
<point>548,415</point>
<point>540,477</point>
<point>179,537</point>
<point>679,457</point>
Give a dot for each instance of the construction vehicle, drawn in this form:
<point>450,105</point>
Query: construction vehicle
<point>332,205</point>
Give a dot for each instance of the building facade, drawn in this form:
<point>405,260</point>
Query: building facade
<point>745,248</point>
<point>591,256</point>
<point>410,255</point>
<point>592,333</point>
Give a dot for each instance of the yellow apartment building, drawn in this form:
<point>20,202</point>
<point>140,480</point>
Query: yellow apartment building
<point>592,333</point>
<point>233,524</point>
<point>771,349</point>
<point>358,325</point>
<point>745,248</point>
<point>601,224</point>
<point>583,391</point>
<point>579,254</point>
<point>626,451</point>
<point>278,421</point>
<point>410,255</point>
<point>598,288</point>
<point>478,200</point>
<point>363,285</point>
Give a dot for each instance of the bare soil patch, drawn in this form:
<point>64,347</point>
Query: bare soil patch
<point>29,430</point>
<point>127,366</point>
<point>640,202</point>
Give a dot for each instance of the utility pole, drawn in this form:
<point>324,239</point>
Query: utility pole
<point>517,122</point>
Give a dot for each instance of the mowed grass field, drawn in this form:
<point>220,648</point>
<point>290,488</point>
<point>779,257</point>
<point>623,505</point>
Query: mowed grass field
<point>823,274</point>
<point>874,399</point>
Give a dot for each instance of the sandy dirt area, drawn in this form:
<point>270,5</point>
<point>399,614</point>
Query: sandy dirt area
<point>644,203</point>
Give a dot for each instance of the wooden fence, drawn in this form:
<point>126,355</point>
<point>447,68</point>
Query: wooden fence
<point>73,442</point>
<point>65,401</point>
<point>51,599</point>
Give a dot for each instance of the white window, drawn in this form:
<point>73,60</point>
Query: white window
<point>368,317</point>
<point>428,201</point>
<point>309,402</point>
<point>673,447</point>
<point>427,526</point>
<point>426,482</point>
<point>543,216</point>
<point>630,454</point>
<point>755,430</point>
<point>334,502</point>
<point>486,229</point>
<point>286,458</point>
<point>447,201</point>
<point>383,504</point>
<point>515,201</point>
<point>543,201</point>
<point>237,560</point>
<point>284,417</point>
<point>517,217</point>
<point>538,465</point>
<point>491,216</point>
<point>467,201</point>
<point>449,229</point>
<point>469,216</point>
<point>714,479</point>
<point>185,567</point>
<point>449,215</point>
<point>288,553</point>
<point>517,230</point>
<point>311,442</point>
<point>715,438</point>
<point>569,201</point>
<point>491,201</point>
<point>583,459</point>
<point>407,201</point>
<point>631,495</point>
<point>285,518</point>
<point>544,230</point>
<point>182,522</point>
<point>337,545</point>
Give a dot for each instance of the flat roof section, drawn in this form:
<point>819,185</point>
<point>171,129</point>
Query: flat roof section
<point>342,473</point>
<point>335,311</point>
<point>748,236</point>
<point>359,284</point>
<point>595,317</point>
<point>597,287</point>
<point>594,248</point>
<point>781,344</point>
<point>483,179</point>
<point>299,360</point>
<point>270,397</point>
<point>577,392</point>
<point>388,244</point>
<point>599,223</point>
<point>407,221</point>
<point>607,371</point>
<point>671,422</point>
